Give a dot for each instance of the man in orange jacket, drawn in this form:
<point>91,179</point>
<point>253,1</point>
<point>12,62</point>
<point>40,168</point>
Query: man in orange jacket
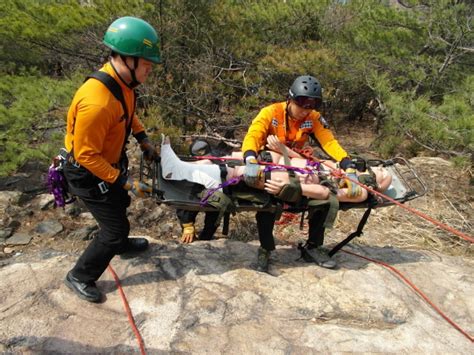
<point>98,124</point>
<point>293,122</point>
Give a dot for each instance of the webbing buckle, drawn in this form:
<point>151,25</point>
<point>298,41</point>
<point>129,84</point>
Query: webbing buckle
<point>63,153</point>
<point>73,162</point>
<point>103,187</point>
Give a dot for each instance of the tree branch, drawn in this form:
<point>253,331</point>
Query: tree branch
<point>433,149</point>
<point>234,143</point>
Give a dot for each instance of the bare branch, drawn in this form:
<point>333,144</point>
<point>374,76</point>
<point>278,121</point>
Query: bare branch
<point>65,51</point>
<point>434,149</point>
<point>234,143</point>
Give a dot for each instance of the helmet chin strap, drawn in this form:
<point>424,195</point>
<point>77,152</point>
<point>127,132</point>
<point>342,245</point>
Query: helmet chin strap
<point>134,83</point>
<point>288,111</point>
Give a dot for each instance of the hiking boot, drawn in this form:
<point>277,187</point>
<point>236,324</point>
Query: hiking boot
<point>263,260</point>
<point>86,290</point>
<point>320,256</point>
<point>134,247</point>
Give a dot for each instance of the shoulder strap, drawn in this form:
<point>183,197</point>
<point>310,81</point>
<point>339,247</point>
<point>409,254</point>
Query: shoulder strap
<point>116,90</point>
<point>113,87</point>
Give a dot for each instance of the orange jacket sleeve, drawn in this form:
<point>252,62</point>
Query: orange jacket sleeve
<point>329,144</point>
<point>91,129</point>
<point>258,131</point>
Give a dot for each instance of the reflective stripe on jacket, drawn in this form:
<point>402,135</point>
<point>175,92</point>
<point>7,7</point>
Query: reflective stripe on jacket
<point>271,121</point>
<point>95,115</point>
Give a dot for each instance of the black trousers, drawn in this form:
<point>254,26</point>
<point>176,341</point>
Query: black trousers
<point>210,222</point>
<point>266,223</point>
<point>109,210</point>
<point>316,227</point>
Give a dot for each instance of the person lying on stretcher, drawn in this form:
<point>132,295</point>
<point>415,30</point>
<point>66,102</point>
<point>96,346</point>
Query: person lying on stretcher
<point>311,179</point>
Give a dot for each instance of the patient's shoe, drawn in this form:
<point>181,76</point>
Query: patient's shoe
<point>319,255</point>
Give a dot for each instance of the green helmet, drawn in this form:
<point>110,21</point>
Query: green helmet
<point>133,37</point>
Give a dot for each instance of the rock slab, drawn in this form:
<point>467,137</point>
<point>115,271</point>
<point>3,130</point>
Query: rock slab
<point>207,298</point>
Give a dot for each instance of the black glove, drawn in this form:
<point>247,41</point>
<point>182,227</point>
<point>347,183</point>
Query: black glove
<point>149,151</point>
<point>347,163</point>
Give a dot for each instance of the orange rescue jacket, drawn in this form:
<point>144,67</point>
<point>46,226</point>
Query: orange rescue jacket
<point>273,120</point>
<point>95,128</point>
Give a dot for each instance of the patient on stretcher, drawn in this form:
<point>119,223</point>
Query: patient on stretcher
<point>308,175</point>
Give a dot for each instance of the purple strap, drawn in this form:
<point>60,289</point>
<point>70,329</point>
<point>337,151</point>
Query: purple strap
<point>313,164</point>
<point>237,179</point>
<point>233,181</point>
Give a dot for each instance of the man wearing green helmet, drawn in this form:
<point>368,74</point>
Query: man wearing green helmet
<point>99,121</point>
<point>134,38</point>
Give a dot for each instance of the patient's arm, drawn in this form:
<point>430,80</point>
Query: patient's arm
<point>274,144</point>
<point>175,169</point>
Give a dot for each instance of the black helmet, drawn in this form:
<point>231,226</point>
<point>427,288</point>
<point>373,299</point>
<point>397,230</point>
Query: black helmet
<point>199,147</point>
<point>306,91</point>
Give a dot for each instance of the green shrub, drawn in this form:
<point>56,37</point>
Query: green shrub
<point>32,117</point>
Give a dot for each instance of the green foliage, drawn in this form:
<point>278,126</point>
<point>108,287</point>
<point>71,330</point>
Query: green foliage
<point>410,66</point>
<point>31,113</point>
<point>405,65</point>
<point>59,35</point>
<point>447,127</point>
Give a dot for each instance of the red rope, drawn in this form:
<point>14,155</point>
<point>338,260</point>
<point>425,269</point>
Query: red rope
<point>417,290</point>
<point>131,320</point>
<point>340,174</point>
<point>416,212</point>
<point>283,166</point>
<point>286,218</point>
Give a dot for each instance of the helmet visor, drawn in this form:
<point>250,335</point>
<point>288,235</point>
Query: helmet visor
<point>307,102</point>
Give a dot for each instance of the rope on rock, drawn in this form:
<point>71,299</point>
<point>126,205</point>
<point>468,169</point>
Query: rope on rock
<point>416,289</point>
<point>131,320</point>
<point>341,174</point>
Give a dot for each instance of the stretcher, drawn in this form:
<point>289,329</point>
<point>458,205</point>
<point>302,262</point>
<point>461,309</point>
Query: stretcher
<point>406,185</point>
